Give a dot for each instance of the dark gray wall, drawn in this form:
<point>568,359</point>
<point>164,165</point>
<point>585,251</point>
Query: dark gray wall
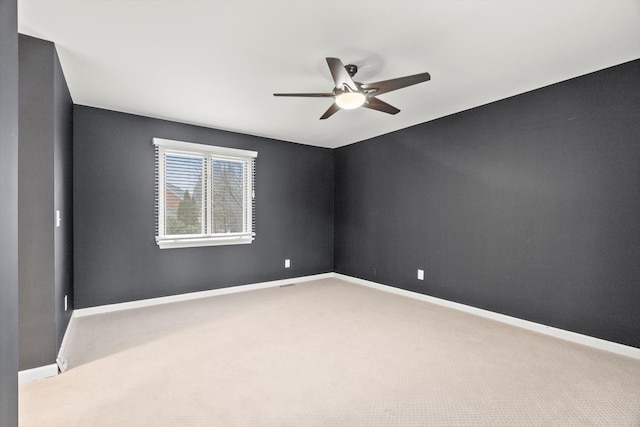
<point>36,240</point>
<point>116,258</point>
<point>45,261</point>
<point>528,206</point>
<point>8,213</point>
<point>63,199</point>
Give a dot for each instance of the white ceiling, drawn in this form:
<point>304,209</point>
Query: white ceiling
<point>217,63</point>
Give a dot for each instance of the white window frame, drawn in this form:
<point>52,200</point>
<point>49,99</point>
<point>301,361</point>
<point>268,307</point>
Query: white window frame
<point>246,157</point>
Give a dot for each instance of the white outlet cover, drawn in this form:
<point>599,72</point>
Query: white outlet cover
<point>420,274</point>
<point>287,263</point>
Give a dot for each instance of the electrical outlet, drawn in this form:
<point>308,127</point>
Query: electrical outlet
<point>66,306</point>
<point>287,263</point>
<point>58,218</point>
<point>420,274</point>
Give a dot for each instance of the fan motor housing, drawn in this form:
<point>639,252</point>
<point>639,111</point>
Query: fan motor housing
<point>351,69</point>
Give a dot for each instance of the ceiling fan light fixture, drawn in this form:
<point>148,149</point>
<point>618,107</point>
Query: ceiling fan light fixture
<point>349,94</point>
<point>350,100</point>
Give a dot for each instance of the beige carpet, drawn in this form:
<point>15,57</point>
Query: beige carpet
<point>325,353</point>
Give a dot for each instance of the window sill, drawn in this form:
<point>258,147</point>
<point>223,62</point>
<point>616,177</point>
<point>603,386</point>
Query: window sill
<point>167,243</point>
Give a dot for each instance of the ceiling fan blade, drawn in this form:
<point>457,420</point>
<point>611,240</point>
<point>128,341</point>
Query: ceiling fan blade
<point>340,75</point>
<point>306,95</point>
<point>331,111</point>
<point>394,84</point>
<point>376,104</point>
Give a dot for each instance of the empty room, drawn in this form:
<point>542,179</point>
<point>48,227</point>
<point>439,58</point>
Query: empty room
<point>320,213</point>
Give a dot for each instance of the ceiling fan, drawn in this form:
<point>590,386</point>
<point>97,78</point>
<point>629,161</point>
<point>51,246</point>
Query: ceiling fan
<point>349,94</point>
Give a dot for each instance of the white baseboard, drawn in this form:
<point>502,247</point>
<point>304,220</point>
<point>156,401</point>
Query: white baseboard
<point>46,371</point>
<point>61,360</point>
<point>195,295</point>
<point>38,373</point>
<point>598,343</point>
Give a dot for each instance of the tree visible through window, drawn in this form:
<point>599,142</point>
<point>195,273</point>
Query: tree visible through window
<point>204,194</point>
<point>183,190</point>
<point>227,188</point>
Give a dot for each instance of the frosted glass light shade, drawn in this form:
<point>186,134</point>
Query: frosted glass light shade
<point>350,100</point>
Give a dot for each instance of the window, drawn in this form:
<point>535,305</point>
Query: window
<point>204,195</point>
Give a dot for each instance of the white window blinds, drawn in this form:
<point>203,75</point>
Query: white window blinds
<point>204,194</point>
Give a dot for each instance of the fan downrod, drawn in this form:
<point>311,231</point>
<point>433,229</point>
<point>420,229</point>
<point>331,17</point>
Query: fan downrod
<point>351,69</point>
